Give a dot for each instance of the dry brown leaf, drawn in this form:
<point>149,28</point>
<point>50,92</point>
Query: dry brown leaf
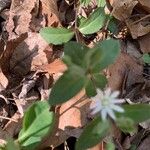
<point>125,68</point>
<point>144,42</point>
<point>30,54</point>
<point>50,11</point>
<point>20,17</point>
<point>24,18</point>
<point>122,9</point>
<point>138,29</point>
<point>145,4</point>
<point>57,66</point>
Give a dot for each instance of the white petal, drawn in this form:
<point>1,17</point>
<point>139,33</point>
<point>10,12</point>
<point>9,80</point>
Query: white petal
<point>107,92</point>
<point>95,104</point>
<point>111,114</point>
<point>114,94</point>
<point>96,110</point>
<point>117,108</point>
<point>103,114</point>
<point>118,101</point>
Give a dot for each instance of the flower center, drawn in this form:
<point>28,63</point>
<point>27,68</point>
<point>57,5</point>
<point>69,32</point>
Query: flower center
<point>105,102</point>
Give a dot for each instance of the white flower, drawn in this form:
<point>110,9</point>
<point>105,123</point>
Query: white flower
<point>105,103</point>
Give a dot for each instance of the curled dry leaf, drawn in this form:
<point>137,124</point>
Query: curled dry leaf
<point>122,9</point>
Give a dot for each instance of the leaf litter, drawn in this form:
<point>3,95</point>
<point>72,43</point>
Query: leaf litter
<point>29,66</point>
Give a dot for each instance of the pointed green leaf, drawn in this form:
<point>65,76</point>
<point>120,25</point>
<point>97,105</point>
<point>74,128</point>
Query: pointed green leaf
<point>94,22</point>
<point>37,122</point>
<point>76,52</point>
<point>100,80</point>
<point>137,112</point>
<point>95,81</point>
<point>102,55</point>
<point>109,50</point>
<point>56,36</point>
<point>67,86</point>
<point>90,88</point>
<point>93,134</point>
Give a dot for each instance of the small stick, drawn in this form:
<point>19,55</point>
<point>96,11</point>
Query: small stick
<point>6,118</point>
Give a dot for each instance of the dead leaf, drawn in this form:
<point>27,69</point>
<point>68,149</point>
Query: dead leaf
<point>30,54</point>
<point>139,28</point>
<point>125,66</point>
<point>144,43</point>
<point>123,9</point>
<point>145,4</point>
<point>57,66</point>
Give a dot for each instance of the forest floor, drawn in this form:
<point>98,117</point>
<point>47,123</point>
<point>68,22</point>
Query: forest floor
<point>29,66</point>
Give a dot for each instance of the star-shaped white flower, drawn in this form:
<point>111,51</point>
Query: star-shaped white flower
<point>106,103</point>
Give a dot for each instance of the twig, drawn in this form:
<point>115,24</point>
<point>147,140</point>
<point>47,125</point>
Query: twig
<point>6,118</point>
<point>145,17</point>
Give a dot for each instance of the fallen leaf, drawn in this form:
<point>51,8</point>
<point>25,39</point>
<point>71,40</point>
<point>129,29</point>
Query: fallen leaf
<point>3,81</point>
<point>57,66</point>
<point>125,66</point>
<point>139,28</point>
<point>144,43</point>
<point>145,4</point>
<point>123,9</point>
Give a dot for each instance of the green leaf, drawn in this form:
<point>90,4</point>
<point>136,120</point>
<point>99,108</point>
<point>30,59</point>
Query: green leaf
<point>101,3</point>
<point>90,88</point>
<point>127,125</point>
<point>112,26</point>
<point>56,36</point>
<point>146,58</point>
<point>93,134</point>
<point>94,22</point>
<point>38,121</point>
<point>102,55</point>
<point>109,50</point>
<point>95,81</point>
<point>67,86</point>
<point>76,52</point>
<point>110,146</point>
<point>100,80</point>
<point>137,112</point>
<point>85,2</point>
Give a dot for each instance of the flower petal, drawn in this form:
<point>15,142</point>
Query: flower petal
<point>117,108</point>
<point>118,101</point>
<point>111,114</point>
<point>96,110</point>
<point>114,94</point>
<point>107,92</point>
<point>103,114</point>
